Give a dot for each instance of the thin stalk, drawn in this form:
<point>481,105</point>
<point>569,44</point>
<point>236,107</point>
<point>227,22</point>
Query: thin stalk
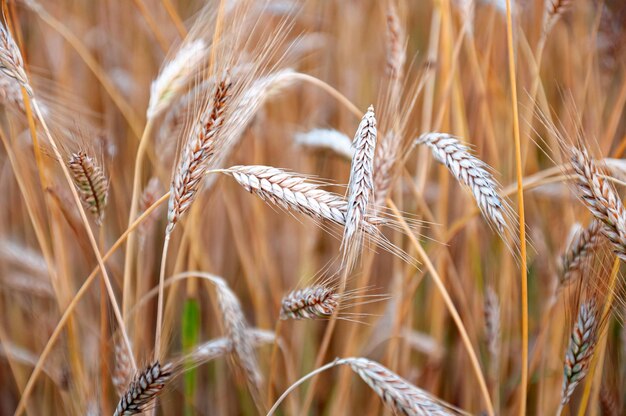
<point>134,207</point>
<point>125,108</point>
<point>520,201</point>
<point>297,383</point>
<point>451,308</point>
<point>67,313</point>
<point>159,320</point>
<point>154,27</point>
<point>308,400</point>
<point>171,11</point>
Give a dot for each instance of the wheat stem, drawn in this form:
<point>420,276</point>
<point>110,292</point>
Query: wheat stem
<point>482,384</point>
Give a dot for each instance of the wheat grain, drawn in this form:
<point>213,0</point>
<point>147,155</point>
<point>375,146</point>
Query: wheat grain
<point>472,173</point>
<point>601,199</point>
<point>143,390</point>
<point>91,182</point>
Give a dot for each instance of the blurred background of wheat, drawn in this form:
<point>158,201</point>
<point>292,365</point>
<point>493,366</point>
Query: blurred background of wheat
<point>425,66</point>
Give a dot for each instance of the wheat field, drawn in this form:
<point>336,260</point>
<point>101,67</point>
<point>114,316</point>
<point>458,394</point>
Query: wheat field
<point>312,207</point>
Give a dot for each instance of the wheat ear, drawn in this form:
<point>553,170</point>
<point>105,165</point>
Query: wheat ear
<point>91,182</point>
<point>471,172</point>
<point>197,151</point>
<point>174,75</point>
<point>142,391</point>
<point>360,187</point>
<point>397,393</point>
<point>311,302</point>
<point>554,10</point>
<point>579,351</point>
<point>236,331</point>
<point>579,251</point>
<point>327,139</point>
<point>601,199</point>
<point>492,325</point>
<point>11,62</point>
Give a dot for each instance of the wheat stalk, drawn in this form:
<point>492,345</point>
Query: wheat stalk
<point>198,149</point>
<point>580,350</point>
<point>601,199</point>
<point>360,186</point>
<point>142,391</point>
<point>471,172</point>
<point>91,183</point>
<point>580,249</point>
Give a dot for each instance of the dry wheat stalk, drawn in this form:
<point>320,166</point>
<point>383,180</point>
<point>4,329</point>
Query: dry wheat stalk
<point>492,324</point>
<point>601,199</point>
<point>471,172</point>
<point>91,182</point>
<point>142,391</point>
<point>174,76</point>
<point>198,149</point>
<point>578,252</point>
<point>11,60</point>
<point>360,186</point>
<point>396,392</point>
<point>580,349</point>
<point>312,302</point>
<point>151,193</point>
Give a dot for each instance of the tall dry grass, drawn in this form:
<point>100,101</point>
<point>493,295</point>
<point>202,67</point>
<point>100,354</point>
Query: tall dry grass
<point>393,189</point>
